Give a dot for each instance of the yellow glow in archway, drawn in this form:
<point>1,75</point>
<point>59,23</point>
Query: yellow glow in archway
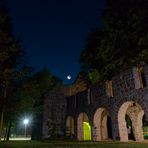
<point>87,131</point>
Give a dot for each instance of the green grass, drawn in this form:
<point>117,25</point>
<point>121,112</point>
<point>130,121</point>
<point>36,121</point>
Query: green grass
<point>71,144</point>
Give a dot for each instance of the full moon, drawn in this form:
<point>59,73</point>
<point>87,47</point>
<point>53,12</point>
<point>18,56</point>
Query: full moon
<point>69,77</point>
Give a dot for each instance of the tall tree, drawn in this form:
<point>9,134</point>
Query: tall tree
<point>33,89</point>
<point>11,59</point>
<point>32,94</point>
<point>124,40</point>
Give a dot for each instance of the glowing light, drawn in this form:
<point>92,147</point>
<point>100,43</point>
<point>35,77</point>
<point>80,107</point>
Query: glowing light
<point>26,121</point>
<point>87,131</point>
<point>69,77</point>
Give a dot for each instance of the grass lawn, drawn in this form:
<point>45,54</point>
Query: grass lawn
<point>71,144</point>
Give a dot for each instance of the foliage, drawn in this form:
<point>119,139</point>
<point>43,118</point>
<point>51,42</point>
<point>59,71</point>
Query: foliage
<point>121,42</point>
<point>11,52</point>
<point>33,90</point>
<point>12,55</point>
<point>13,66</point>
<point>20,91</point>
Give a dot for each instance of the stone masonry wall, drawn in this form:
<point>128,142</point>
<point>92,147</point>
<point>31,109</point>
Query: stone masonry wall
<point>54,114</point>
<point>123,91</point>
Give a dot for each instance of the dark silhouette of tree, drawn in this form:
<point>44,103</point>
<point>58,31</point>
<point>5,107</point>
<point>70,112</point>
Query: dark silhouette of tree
<point>12,60</point>
<point>28,97</point>
<point>34,88</point>
<point>32,94</point>
<point>20,90</point>
<point>121,42</point>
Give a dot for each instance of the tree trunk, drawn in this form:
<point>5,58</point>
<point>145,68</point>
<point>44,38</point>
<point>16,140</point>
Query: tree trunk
<point>1,124</point>
<point>6,131</point>
<point>2,112</point>
<point>9,130</point>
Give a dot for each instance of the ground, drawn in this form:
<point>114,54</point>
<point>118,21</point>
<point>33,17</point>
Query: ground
<point>72,144</point>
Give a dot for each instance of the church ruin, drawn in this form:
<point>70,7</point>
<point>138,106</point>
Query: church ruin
<point>115,109</point>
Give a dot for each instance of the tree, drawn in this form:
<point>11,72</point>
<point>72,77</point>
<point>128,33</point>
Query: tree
<point>28,97</point>
<point>34,88</point>
<point>12,63</point>
<point>125,24</point>
<point>31,94</point>
<point>91,57</point>
<point>123,40</point>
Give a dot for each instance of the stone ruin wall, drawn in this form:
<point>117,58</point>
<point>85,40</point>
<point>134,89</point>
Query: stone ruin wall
<point>126,89</point>
<point>123,95</point>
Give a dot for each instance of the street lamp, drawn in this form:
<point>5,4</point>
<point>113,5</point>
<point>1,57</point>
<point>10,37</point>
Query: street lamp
<point>26,121</point>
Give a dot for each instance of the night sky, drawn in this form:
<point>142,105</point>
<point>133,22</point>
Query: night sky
<point>53,32</point>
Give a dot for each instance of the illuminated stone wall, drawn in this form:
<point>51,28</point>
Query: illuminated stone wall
<point>105,105</point>
<point>128,97</point>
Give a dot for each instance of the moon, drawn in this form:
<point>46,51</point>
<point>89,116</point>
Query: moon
<point>68,77</point>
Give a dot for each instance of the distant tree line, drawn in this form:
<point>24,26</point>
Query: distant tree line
<point>120,43</point>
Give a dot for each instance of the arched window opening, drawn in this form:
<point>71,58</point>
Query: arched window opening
<point>83,127</point>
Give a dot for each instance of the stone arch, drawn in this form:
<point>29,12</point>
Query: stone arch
<point>100,120</point>
<point>83,127</point>
<point>135,113</point>
<point>70,126</point>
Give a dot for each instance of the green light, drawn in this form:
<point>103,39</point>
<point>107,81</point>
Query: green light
<point>87,131</point>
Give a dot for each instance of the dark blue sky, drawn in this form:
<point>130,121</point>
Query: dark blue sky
<point>53,32</point>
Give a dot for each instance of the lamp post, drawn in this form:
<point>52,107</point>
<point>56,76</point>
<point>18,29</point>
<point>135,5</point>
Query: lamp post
<point>26,121</point>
